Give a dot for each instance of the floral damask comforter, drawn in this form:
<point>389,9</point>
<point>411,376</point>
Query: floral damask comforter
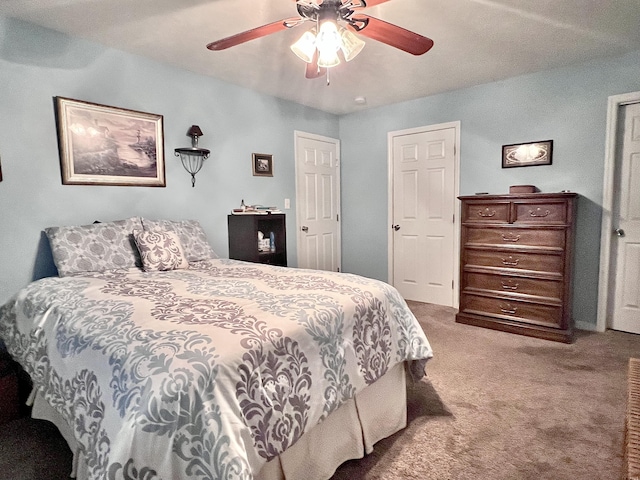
<point>204,373</point>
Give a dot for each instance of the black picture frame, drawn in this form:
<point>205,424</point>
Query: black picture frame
<point>262,165</point>
<point>527,154</point>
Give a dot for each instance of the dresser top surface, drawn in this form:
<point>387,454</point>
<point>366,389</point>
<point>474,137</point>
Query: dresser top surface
<point>511,196</point>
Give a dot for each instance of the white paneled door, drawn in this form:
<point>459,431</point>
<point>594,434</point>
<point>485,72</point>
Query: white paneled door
<point>423,204</point>
<point>318,201</point>
<point>626,310</point>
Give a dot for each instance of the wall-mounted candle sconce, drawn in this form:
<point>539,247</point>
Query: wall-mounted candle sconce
<point>193,157</point>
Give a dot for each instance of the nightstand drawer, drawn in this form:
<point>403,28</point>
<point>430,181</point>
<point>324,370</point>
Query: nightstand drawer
<point>547,315</point>
<point>516,237</point>
<point>514,285</point>
<point>521,261</point>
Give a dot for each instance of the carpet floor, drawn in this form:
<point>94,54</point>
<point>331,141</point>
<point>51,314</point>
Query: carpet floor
<point>498,406</point>
<point>493,406</point>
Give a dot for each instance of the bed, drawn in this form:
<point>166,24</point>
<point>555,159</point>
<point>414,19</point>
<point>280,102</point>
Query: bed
<point>157,360</point>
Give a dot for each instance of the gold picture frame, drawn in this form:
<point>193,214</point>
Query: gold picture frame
<point>262,164</point>
<point>103,145</point>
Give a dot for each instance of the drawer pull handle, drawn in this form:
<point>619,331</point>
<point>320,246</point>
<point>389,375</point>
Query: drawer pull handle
<point>510,262</point>
<point>486,212</point>
<point>510,237</point>
<point>539,213</point>
<point>508,308</point>
<point>509,285</point>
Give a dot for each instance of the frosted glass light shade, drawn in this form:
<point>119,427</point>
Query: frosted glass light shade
<point>328,37</point>
<point>328,43</point>
<point>351,44</point>
<point>305,47</point>
<point>328,59</point>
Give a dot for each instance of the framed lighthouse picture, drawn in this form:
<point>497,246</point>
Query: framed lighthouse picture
<point>103,145</point>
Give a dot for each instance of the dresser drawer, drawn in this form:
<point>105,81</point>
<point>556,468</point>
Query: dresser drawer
<point>517,285</point>
<point>536,262</point>
<point>548,213</point>
<point>516,237</point>
<point>489,212</point>
<point>547,315</point>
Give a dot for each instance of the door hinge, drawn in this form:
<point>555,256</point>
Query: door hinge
<point>337,217</point>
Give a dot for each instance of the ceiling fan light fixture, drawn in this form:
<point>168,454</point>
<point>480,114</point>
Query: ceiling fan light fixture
<point>305,47</point>
<point>351,44</point>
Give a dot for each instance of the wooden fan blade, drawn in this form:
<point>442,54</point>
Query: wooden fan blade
<point>393,35</point>
<point>313,71</point>
<point>252,34</point>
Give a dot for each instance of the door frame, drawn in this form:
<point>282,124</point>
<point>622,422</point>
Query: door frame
<point>604,299</point>
<point>298,134</point>
<point>456,186</point>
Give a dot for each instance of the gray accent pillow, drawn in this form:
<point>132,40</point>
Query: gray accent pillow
<point>192,236</point>
<point>95,248</point>
<point>160,250</point>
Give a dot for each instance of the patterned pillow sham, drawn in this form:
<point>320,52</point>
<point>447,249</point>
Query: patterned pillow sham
<point>160,250</point>
<point>192,236</point>
<point>95,248</point>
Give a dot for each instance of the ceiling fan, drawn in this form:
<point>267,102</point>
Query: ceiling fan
<point>335,22</point>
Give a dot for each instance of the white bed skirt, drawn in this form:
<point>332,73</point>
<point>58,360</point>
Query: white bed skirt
<point>348,433</point>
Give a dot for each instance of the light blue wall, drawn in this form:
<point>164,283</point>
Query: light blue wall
<point>38,64</point>
<point>568,105</point>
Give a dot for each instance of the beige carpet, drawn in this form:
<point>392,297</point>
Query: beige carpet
<point>497,406</point>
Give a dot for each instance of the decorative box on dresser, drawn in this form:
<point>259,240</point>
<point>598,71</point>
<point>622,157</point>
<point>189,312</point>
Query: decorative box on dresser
<point>516,263</point>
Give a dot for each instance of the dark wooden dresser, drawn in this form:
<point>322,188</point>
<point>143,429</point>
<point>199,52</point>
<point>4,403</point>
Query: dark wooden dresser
<point>516,263</point>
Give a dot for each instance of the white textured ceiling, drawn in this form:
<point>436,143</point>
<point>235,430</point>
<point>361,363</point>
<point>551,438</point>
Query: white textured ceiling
<point>476,41</point>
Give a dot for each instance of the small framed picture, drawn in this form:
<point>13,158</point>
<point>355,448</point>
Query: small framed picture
<point>262,165</point>
<point>527,154</point>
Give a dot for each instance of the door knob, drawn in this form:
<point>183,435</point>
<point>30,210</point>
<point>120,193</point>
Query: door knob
<point>305,229</point>
<point>395,227</point>
<point>619,232</point>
